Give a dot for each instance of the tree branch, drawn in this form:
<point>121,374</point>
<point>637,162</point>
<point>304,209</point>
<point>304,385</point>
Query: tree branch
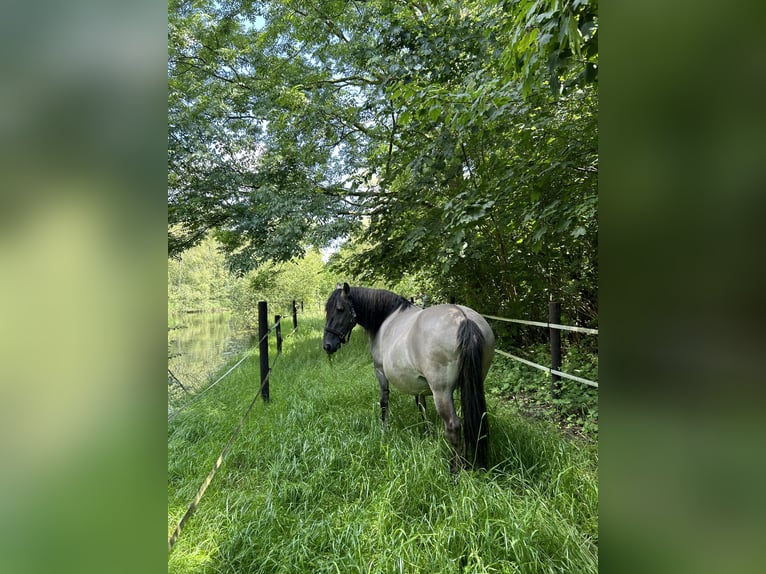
<point>344,81</point>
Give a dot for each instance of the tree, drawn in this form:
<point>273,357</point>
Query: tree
<point>199,279</point>
<point>250,150</point>
<point>302,280</point>
<point>456,140</point>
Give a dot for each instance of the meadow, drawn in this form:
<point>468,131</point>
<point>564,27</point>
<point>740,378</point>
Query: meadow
<point>314,484</point>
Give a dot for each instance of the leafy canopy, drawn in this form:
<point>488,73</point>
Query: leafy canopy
<point>456,141</point>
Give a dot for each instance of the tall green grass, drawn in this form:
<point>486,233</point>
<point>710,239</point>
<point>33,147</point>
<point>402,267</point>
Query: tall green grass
<point>313,483</point>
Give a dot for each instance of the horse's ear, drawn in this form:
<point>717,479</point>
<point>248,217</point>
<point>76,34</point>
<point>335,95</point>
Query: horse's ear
<point>338,286</point>
<point>346,288</point>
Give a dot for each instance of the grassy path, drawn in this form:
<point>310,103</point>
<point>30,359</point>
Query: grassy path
<point>313,484</point>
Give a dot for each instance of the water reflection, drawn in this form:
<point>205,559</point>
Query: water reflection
<point>199,345</point>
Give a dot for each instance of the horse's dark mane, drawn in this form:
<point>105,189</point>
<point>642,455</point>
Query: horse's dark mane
<point>372,306</point>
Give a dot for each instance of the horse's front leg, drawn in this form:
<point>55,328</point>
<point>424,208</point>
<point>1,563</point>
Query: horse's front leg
<point>383,382</point>
<point>420,403</point>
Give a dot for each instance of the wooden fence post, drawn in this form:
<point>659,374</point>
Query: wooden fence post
<point>263,348</point>
<point>554,316</point>
<point>295,316</point>
<point>277,319</point>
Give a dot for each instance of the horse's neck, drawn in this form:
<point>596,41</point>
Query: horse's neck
<point>373,307</point>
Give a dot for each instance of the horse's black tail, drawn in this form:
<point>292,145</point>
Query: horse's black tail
<point>475,425</point>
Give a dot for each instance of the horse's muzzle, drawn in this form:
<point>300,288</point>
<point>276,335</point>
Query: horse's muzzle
<point>330,347</point>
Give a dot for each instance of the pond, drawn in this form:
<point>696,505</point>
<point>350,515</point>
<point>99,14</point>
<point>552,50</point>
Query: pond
<point>199,346</point>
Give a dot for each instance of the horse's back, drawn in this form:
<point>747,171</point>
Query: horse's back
<point>439,326</point>
<point>418,349</point>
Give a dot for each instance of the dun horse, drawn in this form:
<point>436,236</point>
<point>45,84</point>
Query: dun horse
<point>422,352</point>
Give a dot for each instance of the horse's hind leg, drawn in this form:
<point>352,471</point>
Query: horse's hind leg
<point>446,409</point>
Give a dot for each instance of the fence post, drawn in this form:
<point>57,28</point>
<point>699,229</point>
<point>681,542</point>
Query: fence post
<point>277,319</point>
<point>263,348</point>
<point>295,316</point>
<point>301,306</point>
<point>554,316</point>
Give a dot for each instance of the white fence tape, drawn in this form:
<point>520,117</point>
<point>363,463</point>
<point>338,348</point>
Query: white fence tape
<point>548,369</point>
<point>546,325</point>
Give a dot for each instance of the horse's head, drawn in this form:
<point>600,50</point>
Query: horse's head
<point>340,319</point>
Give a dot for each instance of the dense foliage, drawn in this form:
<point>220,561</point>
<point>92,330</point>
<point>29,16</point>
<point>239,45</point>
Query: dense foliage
<point>454,143</point>
<point>199,280</point>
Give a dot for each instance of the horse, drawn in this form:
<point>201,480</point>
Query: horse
<point>422,352</point>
